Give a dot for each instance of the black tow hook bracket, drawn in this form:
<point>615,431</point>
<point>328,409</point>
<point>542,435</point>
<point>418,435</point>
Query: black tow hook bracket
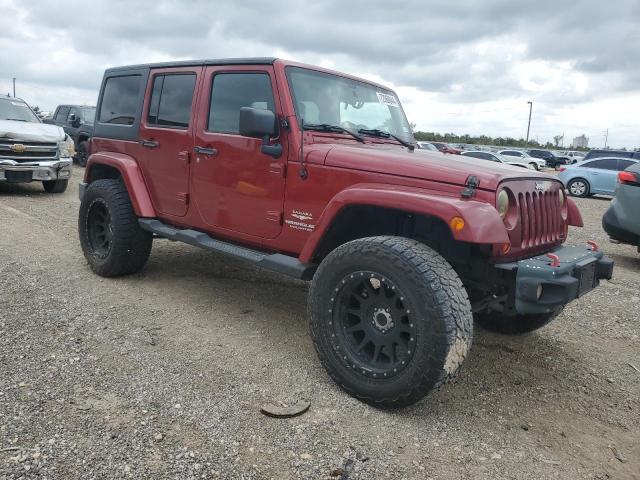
<point>470,186</point>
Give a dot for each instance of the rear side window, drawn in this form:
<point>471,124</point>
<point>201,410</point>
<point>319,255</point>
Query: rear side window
<point>623,164</point>
<point>171,99</point>
<point>62,114</point>
<point>120,100</point>
<point>232,91</point>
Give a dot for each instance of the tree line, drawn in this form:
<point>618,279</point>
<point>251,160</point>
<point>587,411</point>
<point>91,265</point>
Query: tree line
<point>483,140</point>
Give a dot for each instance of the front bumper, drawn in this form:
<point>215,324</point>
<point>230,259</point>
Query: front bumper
<point>46,170</point>
<point>542,287</point>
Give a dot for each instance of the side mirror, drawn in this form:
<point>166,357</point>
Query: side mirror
<point>74,120</point>
<point>258,123</point>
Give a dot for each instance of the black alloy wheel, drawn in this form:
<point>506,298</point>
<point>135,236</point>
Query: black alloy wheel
<point>100,228</point>
<point>372,325</point>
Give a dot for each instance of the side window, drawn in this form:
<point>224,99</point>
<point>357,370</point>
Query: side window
<point>120,100</point>
<point>63,113</point>
<point>604,164</point>
<point>171,98</point>
<point>232,91</point>
<point>622,164</point>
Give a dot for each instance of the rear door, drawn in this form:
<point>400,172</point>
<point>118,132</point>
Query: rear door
<point>235,186</point>
<point>604,174</point>
<point>166,137</point>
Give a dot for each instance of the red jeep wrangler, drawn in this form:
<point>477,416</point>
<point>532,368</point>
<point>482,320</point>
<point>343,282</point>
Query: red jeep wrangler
<point>313,174</point>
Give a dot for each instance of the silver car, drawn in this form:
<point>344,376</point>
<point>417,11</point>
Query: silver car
<point>597,176</point>
<point>524,158</point>
<point>622,220</point>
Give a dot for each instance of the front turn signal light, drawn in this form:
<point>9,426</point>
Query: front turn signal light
<point>456,224</point>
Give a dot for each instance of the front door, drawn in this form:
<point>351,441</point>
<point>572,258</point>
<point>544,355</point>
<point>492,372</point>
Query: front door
<point>235,186</point>
<point>166,137</point>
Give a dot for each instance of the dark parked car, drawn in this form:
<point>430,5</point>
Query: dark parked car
<point>77,122</point>
<point>612,153</point>
<point>547,156</point>
<point>622,220</point>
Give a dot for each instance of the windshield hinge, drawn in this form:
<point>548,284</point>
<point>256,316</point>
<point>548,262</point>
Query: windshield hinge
<point>470,186</point>
<point>285,123</point>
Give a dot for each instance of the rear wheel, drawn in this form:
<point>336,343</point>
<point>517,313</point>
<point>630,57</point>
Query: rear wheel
<point>55,186</point>
<point>390,319</point>
<point>112,241</point>
<point>516,324</point>
<point>579,187</point>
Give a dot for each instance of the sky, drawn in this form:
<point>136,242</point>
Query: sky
<point>458,66</point>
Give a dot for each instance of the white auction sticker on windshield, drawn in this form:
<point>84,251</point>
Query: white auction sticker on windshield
<point>387,99</point>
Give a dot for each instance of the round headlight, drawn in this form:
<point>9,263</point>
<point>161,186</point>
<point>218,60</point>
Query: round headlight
<point>561,197</point>
<point>503,203</point>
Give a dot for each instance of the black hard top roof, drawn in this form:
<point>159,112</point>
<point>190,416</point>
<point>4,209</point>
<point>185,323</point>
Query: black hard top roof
<point>190,63</point>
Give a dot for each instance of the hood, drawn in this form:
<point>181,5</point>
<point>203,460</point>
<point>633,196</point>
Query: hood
<point>30,131</point>
<point>424,164</point>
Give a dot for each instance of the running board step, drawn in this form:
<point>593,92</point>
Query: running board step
<point>271,261</point>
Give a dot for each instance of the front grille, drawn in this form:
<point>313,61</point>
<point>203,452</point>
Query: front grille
<point>27,151</point>
<point>540,218</point>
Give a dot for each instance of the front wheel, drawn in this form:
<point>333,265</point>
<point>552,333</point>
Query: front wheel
<point>535,166</point>
<point>83,153</point>
<point>390,319</point>
<point>55,186</point>
<point>112,241</point>
<point>514,324</point>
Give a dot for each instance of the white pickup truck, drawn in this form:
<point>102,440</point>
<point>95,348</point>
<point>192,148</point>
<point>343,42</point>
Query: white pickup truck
<point>31,150</point>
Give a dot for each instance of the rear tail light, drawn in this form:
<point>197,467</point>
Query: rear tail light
<point>629,178</point>
<point>561,169</point>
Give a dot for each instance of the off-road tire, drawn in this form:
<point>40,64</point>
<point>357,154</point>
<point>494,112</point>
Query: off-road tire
<point>514,325</point>
<point>130,245</point>
<point>83,153</point>
<point>586,192</point>
<point>55,186</point>
<point>442,317</point>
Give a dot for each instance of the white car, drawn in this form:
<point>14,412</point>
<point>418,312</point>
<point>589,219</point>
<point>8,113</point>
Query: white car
<point>524,158</point>
<point>572,156</point>
<point>427,146</point>
<point>495,157</point>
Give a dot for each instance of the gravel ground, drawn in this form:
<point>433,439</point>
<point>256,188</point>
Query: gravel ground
<point>162,374</point>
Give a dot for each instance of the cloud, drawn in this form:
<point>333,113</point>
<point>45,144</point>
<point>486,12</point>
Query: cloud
<point>459,55</point>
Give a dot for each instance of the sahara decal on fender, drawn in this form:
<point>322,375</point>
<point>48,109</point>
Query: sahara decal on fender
<point>299,223</point>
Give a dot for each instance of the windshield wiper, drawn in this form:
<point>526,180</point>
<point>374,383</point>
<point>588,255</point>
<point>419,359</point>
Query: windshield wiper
<point>325,127</point>
<point>379,133</point>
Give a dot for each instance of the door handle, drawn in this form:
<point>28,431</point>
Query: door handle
<point>150,143</point>
<point>206,151</point>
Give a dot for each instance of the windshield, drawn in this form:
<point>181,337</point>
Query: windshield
<point>324,98</point>
<point>12,109</point>
<point>88,114</point>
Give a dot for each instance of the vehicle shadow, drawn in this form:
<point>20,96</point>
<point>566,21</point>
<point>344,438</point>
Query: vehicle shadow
<point>21,189</point>
<point>270,311</point>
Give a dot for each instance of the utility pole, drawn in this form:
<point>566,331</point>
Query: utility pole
<point>606,137</point>
<point>14,87</point>
<point>526,143</point>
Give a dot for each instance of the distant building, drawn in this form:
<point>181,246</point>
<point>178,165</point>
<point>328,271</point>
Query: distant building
<point>580,142</point>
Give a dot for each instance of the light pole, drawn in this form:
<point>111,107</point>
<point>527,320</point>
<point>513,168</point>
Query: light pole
<point>14,87</point>
<point>526,143</point>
